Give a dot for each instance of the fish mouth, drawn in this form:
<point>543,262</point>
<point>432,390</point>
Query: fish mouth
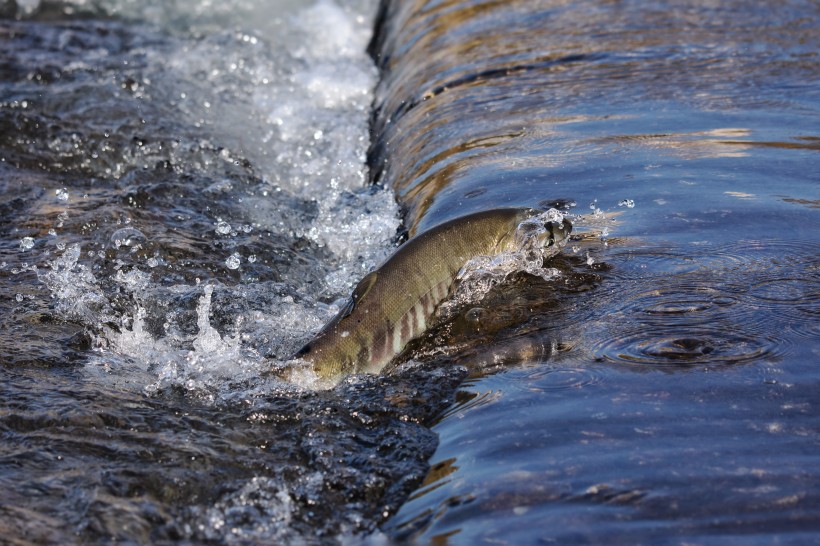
<point>546,233</point>
<point>559,233</point>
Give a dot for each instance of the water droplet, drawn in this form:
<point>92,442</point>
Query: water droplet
<point>628,203</point>
<point>252,258</point>
<point>233,261</point>
<point>62,194</point>
<point>223,227</point>
<point>128,237</point>
<point>26,243</point>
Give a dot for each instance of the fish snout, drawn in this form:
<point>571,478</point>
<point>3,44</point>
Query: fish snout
<point>559,232</point>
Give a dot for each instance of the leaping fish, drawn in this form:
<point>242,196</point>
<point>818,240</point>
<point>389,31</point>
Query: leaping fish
<point>395,303</point>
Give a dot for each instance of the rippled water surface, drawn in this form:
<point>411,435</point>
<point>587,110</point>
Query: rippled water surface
<point>664,389</point>
<point>186,196</point>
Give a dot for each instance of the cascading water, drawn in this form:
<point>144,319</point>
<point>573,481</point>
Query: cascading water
<point>184,201</point>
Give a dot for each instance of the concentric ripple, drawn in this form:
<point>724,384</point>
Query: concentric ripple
<point>738,258</point>
<point>702,347</point>
<point>681,304</point>
<point>558,378</point>
<point>795,303</point>
<point>738,303</point>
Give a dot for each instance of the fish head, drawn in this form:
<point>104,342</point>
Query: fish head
<point>559,233</point>
<point>546,232</point>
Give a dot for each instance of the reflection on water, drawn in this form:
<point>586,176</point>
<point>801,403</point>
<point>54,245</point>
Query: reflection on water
<point>700,144</point>
<point>663,389</point>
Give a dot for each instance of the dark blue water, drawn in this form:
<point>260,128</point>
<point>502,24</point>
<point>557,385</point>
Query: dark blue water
<point>184,201</point>
<point>666,388</point>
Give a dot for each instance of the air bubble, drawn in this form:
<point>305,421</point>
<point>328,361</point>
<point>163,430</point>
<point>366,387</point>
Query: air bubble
<point>128,237</point>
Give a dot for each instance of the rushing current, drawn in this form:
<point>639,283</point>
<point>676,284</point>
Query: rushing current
<point>189,190</point>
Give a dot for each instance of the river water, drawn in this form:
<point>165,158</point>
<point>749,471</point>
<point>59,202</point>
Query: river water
<point>187,196</point>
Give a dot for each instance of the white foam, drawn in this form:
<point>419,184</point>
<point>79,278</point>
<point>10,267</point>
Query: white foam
<point>270,503</point>
<point>75,290</point>
<point>26,243</point>
<point>291,93</point>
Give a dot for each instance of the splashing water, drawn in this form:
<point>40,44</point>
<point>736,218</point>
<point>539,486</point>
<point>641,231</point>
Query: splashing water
<point>479,275</point>
<point>296,111</point>
<point>185,188</point>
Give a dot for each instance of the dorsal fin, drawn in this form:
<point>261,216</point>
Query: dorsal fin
<point>364,286</point>
<point>347,309</point>
<point>359,292</point>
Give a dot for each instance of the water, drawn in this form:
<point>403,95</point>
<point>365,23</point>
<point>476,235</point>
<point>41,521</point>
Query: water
<point>185,200</point>
<point>664,389</point>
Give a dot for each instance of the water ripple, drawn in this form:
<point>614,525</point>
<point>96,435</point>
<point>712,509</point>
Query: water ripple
<point>707,346</point>
<point>562,378</point>
<point>725,304</point>
<point>793,302</point>
<point>683,303</point>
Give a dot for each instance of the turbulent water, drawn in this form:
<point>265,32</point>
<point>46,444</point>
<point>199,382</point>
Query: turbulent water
<point>185,198</point>
<point>184,202</point>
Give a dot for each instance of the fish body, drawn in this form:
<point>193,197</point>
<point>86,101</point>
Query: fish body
<point>395,303</point>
